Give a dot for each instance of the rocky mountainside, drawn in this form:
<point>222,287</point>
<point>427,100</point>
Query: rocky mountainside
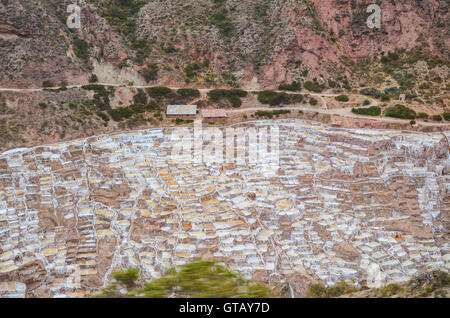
<point>317,46</point>
<point>247,43</point>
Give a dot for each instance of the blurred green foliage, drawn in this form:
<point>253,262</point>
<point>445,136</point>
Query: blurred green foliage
<point>198,279</point>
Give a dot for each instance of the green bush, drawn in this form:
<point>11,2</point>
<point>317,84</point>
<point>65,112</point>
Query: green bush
<point>314,87</point>
<point>48,84</point>
<point>198,279</point>
<point>158,91</point>
<point>342,98</point>
<point>412,122</point>
<point>436,117</point>
<point>93,78</point>
<point>235,101</point>
<point>191,70</point>
<point>237,92</point>
<point>81,49</point>
<point>366,102</point>
<point>313,102</point>
<point>43,105</point>
<point>274,98</point>
<point>373,92</point>
<point>370,111</point>
<point>150,73</point>
<point>294,86</point>
<point>400,111</point>
<point>446,116</point>
<point>103,116</point>
<point>220,20</point>
<point>128,277</point>
<point>216,95</point>
<point>332,83</point>
<point>120,113</point>
<point>101,96</point>
<point>189,92</point>
<point>140,97</point>
<point>232,95</point>
<point>120,15</point>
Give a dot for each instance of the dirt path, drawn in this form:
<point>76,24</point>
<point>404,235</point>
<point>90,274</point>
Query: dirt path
<point>344,112</point>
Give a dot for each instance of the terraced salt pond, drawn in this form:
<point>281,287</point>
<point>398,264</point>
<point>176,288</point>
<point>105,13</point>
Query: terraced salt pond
<point>341,203</point>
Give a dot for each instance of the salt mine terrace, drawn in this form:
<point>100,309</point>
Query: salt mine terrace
<point>341,201</point>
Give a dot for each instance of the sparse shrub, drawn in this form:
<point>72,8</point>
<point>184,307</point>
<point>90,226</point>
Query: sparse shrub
<point>313,102</point>
<point>424,85</point>
<point>43,105</point>
<point>271,114</point>
<point>339,289</point>
<point>366,102</point>
<point>63,86</point>
<point>422,115</point>
<point>389,290</point>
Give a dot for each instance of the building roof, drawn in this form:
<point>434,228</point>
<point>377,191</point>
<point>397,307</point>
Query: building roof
<point>208,113</point>
<point>182,110</point>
